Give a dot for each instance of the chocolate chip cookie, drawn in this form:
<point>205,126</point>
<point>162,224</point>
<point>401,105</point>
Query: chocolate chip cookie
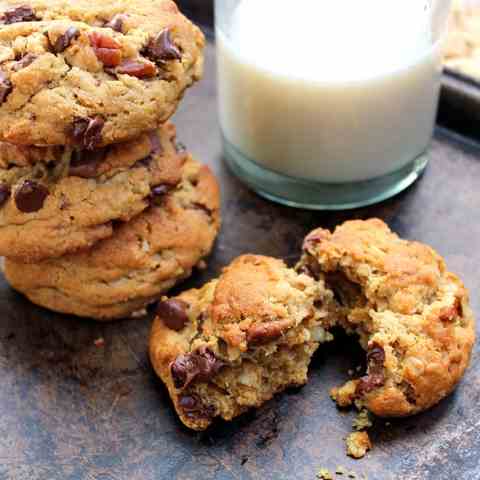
<point>141,261</point>
<point>57,200</point>
<point>89,74</point>
<point>411,314</point>
<point>239,340</point>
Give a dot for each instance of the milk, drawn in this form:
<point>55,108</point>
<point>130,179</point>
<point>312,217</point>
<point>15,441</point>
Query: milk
<point>331,91</point>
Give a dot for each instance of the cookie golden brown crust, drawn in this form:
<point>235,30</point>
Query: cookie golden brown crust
<point>141,261</point>
<point>75,196</point>
<point>90,74</point>
<point>412,315</point>
<point>239,340</point>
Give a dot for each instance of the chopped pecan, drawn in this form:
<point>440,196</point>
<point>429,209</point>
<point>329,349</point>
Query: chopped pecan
<point>262,333</point>
<point>137,68</point>
<point>449,314</point>
<point>106,48</point>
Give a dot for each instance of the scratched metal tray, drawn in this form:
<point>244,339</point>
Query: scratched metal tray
<point>70,410</point>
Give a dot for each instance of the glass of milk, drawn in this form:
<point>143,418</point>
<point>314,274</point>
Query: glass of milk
<point>329,104</point>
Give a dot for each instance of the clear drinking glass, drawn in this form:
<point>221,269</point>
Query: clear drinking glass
<point>329,105</point>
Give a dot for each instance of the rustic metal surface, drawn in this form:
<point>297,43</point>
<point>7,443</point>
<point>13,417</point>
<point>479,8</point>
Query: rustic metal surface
<point>72,410</point>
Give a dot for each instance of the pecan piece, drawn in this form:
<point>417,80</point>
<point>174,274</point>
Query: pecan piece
<point>263,333</point>
<point>106,48</point>
<point>137,69</point>
<point>449,314</point>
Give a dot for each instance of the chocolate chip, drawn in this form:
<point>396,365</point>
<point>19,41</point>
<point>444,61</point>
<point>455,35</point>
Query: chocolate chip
<point>64,41</point>
<point>116,23</point>
<point>24,62</point>
<point>6,87</point>
<point>173,313</point>
<point>30,197</point>
<point>4,193</point>
<point>193,407</point>
<point>198,366</point>
<point>161,48</point>
<point>87,132</point>
<point>24,13</point>
<point>85,164</point>
<point>376,375</point>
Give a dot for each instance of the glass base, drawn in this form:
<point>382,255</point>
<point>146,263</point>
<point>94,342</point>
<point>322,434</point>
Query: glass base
<point>301,193</point>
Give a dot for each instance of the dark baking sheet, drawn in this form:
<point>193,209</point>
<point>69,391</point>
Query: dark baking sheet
<point>71,410</point>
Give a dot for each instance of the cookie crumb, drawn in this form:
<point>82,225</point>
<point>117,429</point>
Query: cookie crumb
<point>340,470</point>
<point>202,265</point>
<point>99,342</point>
<point>345,395</point>
<point>350,372</point>
<point>362,421</point>
<point>324,474</point>
<point>358,444</point>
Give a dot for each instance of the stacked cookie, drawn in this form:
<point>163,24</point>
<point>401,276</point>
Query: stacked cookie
<point>101,210</point>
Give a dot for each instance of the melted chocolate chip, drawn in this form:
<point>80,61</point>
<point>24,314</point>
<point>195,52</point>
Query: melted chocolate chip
<point>193,407</point>
<point>87,132</point>
<point>24,62</point>
<point>85,164</point>
<point>116,23</point>
<point>4,193</point>
<point>198,366</point>
<point>173,314</point>
<point>6,87</point>
<point>64,41</point>
<point>30,197</point>
<point>376,375</point>
<point>162,49</point>
<point>24,13</point>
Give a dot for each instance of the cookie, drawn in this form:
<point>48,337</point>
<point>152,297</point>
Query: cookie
<point>239,340</point>
<point>90,74</point>
<point>67,200</point>
<point>142,260</point>
<point>411,314</point>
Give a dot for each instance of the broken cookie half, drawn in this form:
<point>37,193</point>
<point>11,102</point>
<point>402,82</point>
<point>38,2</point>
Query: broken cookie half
<point>240,339</point>
<point>411,314</point>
